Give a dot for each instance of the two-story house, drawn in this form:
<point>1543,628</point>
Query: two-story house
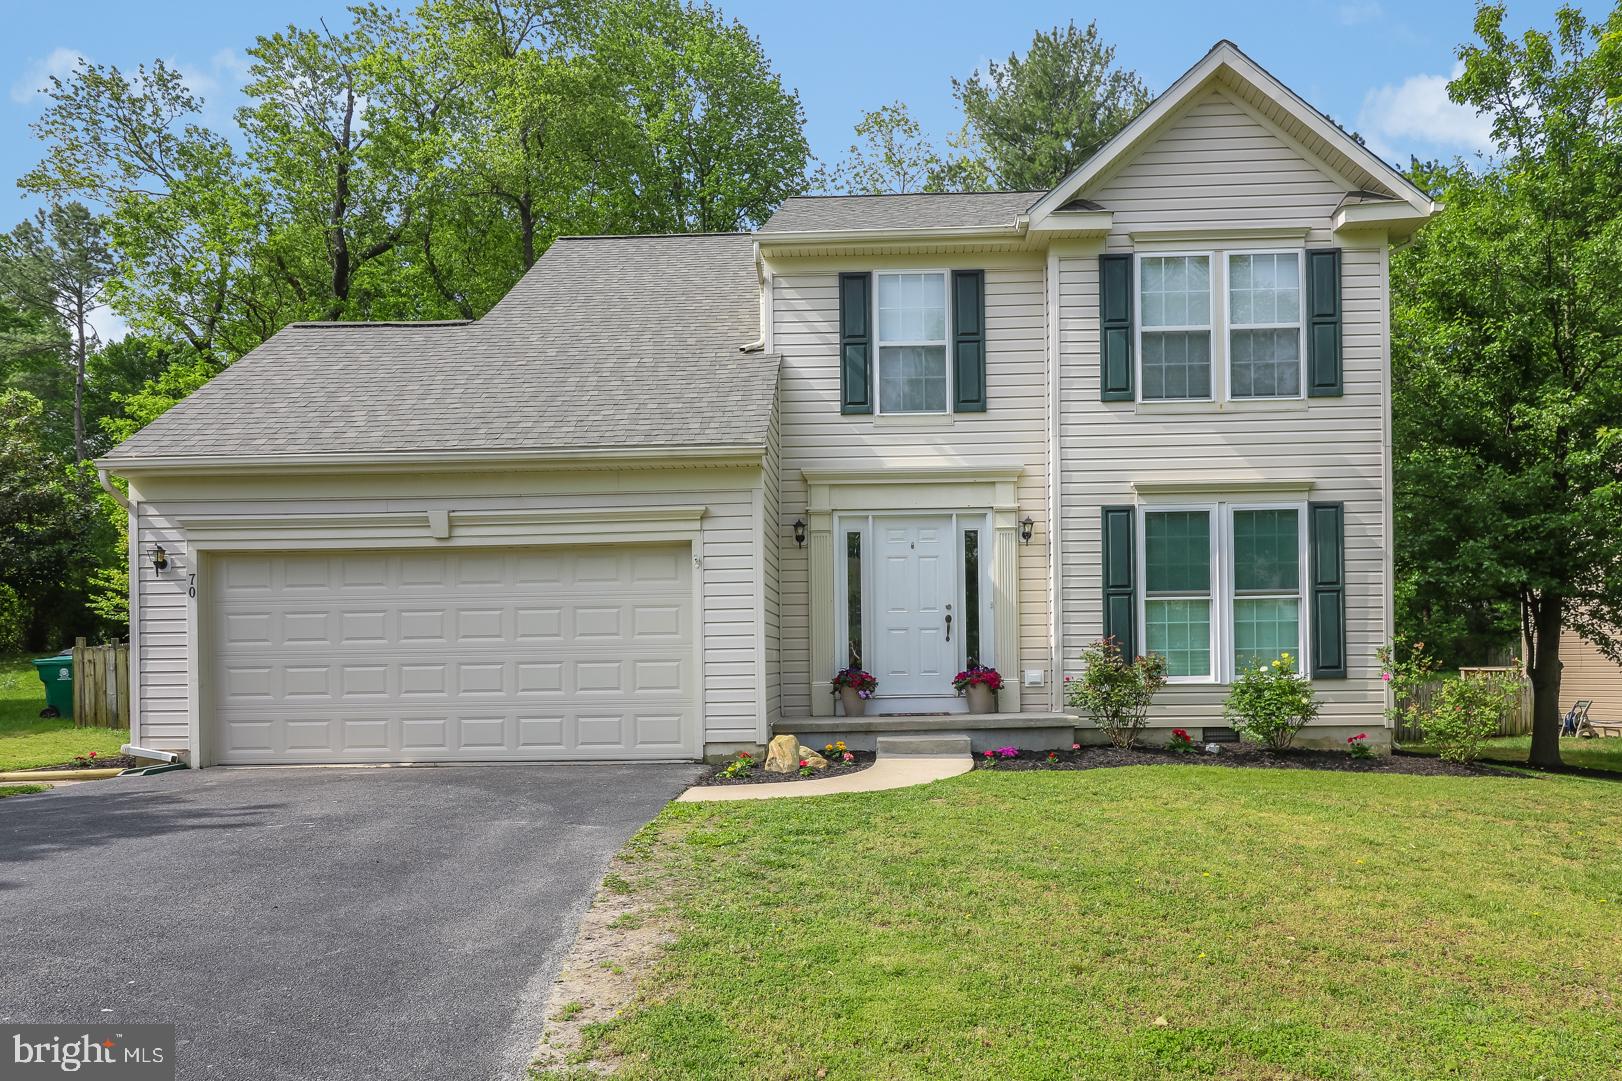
<point>648,505</point>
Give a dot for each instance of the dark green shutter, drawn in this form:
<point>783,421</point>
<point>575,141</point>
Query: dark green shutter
<point>1324,379</point>
<point>968,341</point>
<point>1120,592</point>
<point>855,343</point>
<point>1115,328</point>
<point>1327,523</point>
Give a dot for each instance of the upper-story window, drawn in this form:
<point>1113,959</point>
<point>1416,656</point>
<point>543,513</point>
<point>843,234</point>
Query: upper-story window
<point>1175,299</point>
<point>912,342</point>
<point>1264,325</point>
<point>1192,347</point>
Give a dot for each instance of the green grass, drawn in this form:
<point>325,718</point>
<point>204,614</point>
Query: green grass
<point>1165,921</point>
<point>20,789</point>
<point>1604,753</point>
<point>26,739</point>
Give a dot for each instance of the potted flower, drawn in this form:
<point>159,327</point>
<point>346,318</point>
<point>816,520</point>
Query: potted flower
<point>979,685</point>
<point>854,687</point>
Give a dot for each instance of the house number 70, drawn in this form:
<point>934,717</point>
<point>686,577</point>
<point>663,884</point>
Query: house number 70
<point>191,585</point>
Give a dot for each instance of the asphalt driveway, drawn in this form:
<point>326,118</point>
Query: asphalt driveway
<point>313,923</point>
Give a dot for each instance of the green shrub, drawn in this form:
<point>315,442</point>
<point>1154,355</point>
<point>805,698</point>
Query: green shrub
<point>1114,691</point>
<point>1270,703</point>
<point>1465,712</point>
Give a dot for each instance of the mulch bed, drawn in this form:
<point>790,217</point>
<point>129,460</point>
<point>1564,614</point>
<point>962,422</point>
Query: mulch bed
<point>758,775</point>
<point>1244,755</point>
<point>111,761</point>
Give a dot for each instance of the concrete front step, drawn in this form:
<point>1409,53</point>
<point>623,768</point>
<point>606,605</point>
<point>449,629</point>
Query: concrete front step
<point>934,743</point>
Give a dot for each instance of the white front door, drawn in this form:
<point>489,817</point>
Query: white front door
<point>917,623</point>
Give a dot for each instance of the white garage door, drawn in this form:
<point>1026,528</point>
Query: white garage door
<point>463,655</point>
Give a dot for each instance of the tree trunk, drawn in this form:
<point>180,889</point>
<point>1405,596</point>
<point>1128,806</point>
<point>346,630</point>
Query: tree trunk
<point>78,391</point>
<point>526,228</point>
<point>1546,715</point>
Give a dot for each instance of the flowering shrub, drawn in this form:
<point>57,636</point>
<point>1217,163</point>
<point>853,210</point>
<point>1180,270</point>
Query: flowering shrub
<point>977,676</point>
<point>1358,747</point>
<point>1116,692</point>
<point>1270,703</point>
<point>85,761</point>
<point>1180,742</point>
<point>857,680</point>
<point>1406,668</point>
<point>740,766</point>
<point>1466,712</point>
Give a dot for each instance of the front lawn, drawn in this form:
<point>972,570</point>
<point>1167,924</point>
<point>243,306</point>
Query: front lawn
<point>1603,753</point>
<point>26,739</point>
<point>1140,922</point>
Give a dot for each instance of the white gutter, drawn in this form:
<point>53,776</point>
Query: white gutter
<point>112,489</point>
<point>832,236</point>
<point>417,460</point>
<point>759,344</point>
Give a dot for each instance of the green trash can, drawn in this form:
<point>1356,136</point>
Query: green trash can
<point>57,675</point>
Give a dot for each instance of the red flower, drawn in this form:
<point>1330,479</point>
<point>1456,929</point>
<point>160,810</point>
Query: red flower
<point>92,754</point>
<point>802,763</point>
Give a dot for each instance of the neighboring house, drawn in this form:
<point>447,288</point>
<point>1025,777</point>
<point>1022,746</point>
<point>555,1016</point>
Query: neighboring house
<point>1586,673</point>
<point>651,502</point>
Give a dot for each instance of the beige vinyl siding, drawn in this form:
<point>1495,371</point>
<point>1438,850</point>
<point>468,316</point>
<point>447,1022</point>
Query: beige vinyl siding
<point>1216,168</point>
<point>773,536</point>
<point>730,553</point>
<point>805,309</point>
<point>1215,164</point>
<point>1585,672</point>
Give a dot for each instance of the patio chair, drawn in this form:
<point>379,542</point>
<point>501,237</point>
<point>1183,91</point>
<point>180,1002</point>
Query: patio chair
<point>1576,717</point>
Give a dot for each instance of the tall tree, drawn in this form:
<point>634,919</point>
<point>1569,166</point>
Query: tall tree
<point>891,156</point>
<point>1034,119</point>
<point>1507,349</point>
<point>58,263</point>
<point>716,141</point>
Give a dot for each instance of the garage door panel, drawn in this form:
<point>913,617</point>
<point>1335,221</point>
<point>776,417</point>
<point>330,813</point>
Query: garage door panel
<point>556,653</point>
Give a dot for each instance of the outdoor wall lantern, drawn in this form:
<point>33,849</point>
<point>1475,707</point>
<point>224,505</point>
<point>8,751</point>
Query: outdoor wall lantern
<point>1026,528</point>
<point>160,559</point>
<point>799,532</point>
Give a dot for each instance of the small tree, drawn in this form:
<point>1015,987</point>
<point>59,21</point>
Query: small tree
<point>1270,703</point>
<point>1116,692</point>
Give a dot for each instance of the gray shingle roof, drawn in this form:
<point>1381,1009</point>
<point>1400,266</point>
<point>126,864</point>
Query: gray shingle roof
<point>924,211</point>
<point>606,342</point>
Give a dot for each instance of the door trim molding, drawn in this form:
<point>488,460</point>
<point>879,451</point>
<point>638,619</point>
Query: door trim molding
<point>943,488</point>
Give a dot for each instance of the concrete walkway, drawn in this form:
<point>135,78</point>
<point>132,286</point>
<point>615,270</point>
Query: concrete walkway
<point>892,771</point>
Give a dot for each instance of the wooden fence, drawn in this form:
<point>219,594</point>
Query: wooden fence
<point>1516,721</point>
<point>101,685</point>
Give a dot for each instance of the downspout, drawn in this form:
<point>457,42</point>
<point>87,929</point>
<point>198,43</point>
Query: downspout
<point>111,489</point>
<point>759,343</point>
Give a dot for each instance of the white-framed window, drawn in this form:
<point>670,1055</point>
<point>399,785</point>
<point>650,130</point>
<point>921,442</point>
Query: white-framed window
<point>1174,326</point>
<point>1266,333</point>
<point>1222,586</point>
<point>913,318</point>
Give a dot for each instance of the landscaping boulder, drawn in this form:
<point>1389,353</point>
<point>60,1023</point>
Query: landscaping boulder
<point>782,755</point>
<point>812,759</point>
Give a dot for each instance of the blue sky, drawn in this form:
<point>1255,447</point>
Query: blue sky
<point>1378,66</point>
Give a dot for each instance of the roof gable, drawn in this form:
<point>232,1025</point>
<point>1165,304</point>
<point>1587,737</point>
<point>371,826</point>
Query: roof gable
<point>1228,70</point>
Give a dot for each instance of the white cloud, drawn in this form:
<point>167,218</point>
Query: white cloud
<point>1416,116</point>
<point>38,74</point>
<point>1356,14</point>
<point>110,326</point>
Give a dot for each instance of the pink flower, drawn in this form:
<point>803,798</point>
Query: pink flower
<point>1075,746</point>
<point>1386,676</point>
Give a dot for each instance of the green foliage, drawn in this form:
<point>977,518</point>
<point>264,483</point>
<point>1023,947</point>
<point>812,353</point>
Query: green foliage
<point>1114,691</point>
<point>1507,358</point>
<point>1406,666</point>
<point>892,155</point>
<point>1270,703</point>
<point>50,530</point>
<point>1034,119</point>
<point>1464,713</point>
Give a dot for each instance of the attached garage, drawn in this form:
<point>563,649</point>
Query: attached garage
<point>577,652</point>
